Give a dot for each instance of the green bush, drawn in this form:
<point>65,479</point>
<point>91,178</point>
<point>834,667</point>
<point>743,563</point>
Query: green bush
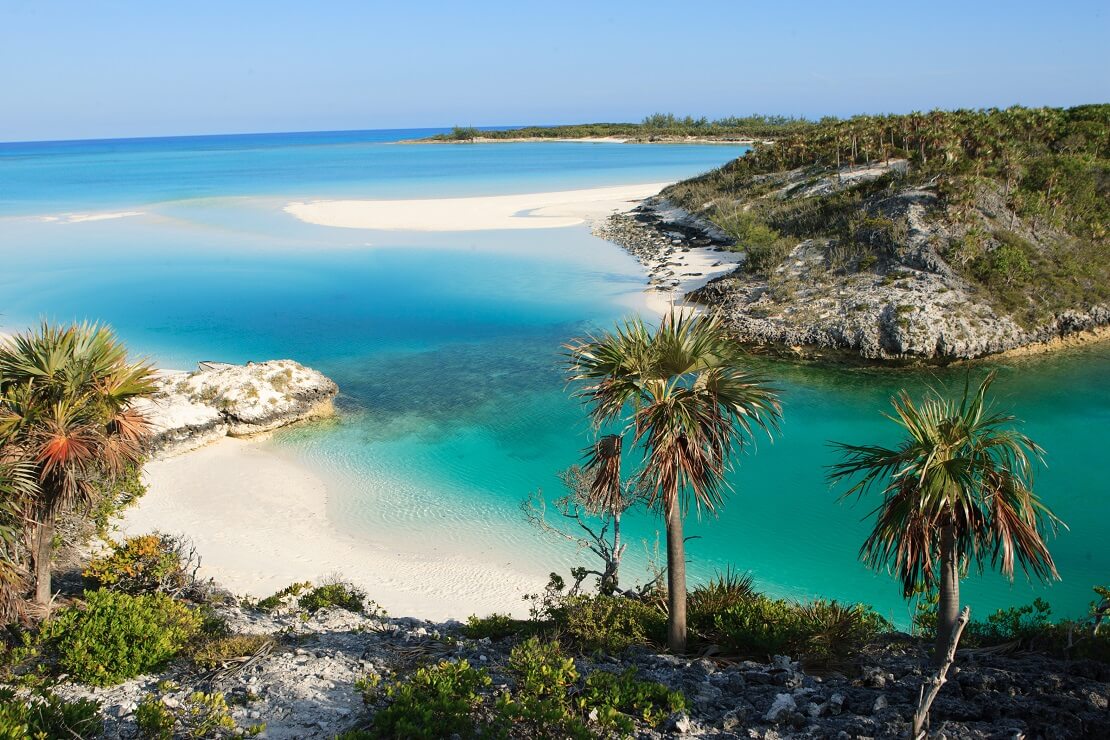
<point>719,593</point>
<point>435,702</point>
<point>331,595</point>
<point>539,704</point>
<point>610,624</point>
<point>114,636</point>
<point>760,626</point>
<point>149,563</point>
<point>44,715</point>
<point>495,626</point>
<point>617,697</point>
<point>200,715</point>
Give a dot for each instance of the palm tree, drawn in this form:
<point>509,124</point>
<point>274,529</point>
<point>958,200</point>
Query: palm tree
<point>65,397</point>
<point>958,486</point>
<point>682,393</point>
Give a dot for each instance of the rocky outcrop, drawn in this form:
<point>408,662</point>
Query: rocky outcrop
<point>304,687</point>
<point>908,306</point>
<point>189,410</point>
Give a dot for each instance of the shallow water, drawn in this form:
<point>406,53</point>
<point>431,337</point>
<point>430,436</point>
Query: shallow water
<point>447,346</point>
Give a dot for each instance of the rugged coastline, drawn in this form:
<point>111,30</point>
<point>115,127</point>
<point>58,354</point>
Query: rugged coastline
<point>916,311</point>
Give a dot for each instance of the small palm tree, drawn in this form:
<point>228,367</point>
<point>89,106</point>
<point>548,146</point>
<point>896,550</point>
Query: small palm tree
<point>959,486</point>
<point>65,398</point>
<point>682,393</point>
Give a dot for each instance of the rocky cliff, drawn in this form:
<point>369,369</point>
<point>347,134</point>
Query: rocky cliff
<point>189,410</point>
<point>899,299</point>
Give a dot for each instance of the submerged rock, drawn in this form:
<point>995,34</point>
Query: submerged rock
<point>189,410</point>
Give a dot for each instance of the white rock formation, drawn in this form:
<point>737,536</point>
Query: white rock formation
<point>190,410</point>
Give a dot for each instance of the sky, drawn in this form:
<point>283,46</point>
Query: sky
<point>77,69</point>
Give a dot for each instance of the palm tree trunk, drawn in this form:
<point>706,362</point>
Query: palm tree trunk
<point>676,578</point>
<point>615,578</point>
<point>44,548</point>
<point>948,607</point>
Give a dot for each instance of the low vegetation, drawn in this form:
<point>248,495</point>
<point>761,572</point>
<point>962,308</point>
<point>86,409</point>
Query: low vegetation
<point>1023,194</point>
<point>658,126</point>
<point>113,636</point>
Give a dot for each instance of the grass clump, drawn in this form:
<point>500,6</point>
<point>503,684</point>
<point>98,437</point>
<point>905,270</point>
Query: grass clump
<point>44,715</point>
<point>219,650</point>
<point>114,636</point>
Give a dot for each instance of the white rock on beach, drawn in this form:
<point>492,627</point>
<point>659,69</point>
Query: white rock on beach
<point>189,410</point>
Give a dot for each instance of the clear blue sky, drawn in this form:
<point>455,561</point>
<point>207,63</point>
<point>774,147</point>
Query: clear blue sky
<point>105,68</point>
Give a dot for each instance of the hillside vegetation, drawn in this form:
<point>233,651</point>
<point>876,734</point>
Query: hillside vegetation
<point>658,126</point>
<point>1015,203</point>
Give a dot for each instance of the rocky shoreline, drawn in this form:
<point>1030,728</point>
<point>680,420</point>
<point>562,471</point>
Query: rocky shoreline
<point>189,410</point>
<point>304,686</point>
<point>916,311</point>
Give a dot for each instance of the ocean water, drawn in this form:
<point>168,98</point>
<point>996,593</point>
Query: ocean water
<point>447,346</point>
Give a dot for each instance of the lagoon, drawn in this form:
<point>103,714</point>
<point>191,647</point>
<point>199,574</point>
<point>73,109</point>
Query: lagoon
<point>447,346</point>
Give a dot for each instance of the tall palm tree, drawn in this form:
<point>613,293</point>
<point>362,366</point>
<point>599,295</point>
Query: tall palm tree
<point>65,409</point>
<point>958,486</point>
<point>681,392</point>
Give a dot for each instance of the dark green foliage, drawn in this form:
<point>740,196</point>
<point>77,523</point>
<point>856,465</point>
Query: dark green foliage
<point>1020,623</point>
<point>619,696</point>
<point>725,590</point>
<point>657,125</point>
<point>332,595</point>
<point>609,624</point>
<point>463,133</point>
<point>496,627</point>
<point>759,627</point>
<point>115,636</point>
<point>435,702</point>
<point>199,715</point>
<point>44,715</point>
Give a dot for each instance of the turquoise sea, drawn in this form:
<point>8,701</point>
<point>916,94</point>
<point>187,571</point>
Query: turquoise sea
<point>447,345</point>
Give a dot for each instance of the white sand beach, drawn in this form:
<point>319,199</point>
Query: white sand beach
<point>526,211</point>
<point>260,522</point>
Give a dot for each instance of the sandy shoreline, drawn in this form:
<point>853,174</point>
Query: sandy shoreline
<point>551,210</point>
<point>260,522</point>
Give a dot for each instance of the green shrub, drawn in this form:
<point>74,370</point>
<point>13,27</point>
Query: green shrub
<point>44,715</point>
<point>330,595</point>
<point>610,624</point>
<point>721,592</point>
<point>831,629</point>
<point>199,715</point>
<point>759,626</point>
<point>115,636</point>
<point>149,563</point>
<point>495,626</point>
<point>215,652</point>
<point>435,702</point>
<point>540,704</point>
<point>617,697</point>
<point>275,600</point>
